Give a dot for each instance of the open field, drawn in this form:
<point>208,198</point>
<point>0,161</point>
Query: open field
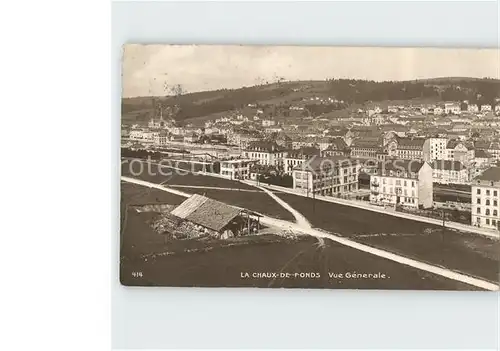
<point>221,263</point>
<point>170,176</point>
<point>133,194</point>
<point>468,253</point>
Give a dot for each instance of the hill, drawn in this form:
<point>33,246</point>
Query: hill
<point>277,97</point>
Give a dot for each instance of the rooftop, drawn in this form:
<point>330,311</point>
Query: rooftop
<point>325,163</point>
<point>206,212</point>
<point>491,174</point>
<point>448,165</point>
<point>399,165</point>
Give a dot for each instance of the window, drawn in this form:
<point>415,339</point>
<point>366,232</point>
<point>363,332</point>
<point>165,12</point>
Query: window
<point>487,202</point>
<point>487,211</point>
<point>487,192</point>
<point>479,201</point>
<point>495,213</point>
<point>479,191</point>
<point>495,202</point>
<point>494,223</point>
<point>412,184</point>
<point>478,210</point>
<point>487,221</point>
<point>495,193</point>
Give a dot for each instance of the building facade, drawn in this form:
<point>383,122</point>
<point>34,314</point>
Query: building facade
<point>435,149</point>
<point>236,169</point>
<point>328,176</point>
<point>449,172</point>
<point>485,199</point>
<point>402,182</point>
<point>266,153</point>
<point>410,149</point>
<point>457,150</point>
<point>295,158</point>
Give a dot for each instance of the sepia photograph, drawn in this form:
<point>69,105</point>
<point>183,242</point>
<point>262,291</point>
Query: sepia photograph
<point>310,167</point>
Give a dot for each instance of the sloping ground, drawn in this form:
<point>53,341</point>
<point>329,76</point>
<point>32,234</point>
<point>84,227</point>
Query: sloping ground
<point>169,176</point>
<point>133,194</point>
<point>465,252</point>
<point>222,264</point>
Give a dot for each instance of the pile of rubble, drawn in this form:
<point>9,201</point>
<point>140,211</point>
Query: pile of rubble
<point>176,228</point>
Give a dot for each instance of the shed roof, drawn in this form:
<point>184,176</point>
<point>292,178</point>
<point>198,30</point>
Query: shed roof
<point>206,212</point>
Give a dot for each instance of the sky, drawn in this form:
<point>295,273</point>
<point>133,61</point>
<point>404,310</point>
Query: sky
<point>148,69</point>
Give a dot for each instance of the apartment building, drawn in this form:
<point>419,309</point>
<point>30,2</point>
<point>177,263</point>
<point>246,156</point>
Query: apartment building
<point>329,176</point>
<point>161,138</point>
<point>295,158</point>
<point>486,108</point>
<point>435,149</point>
<point>402,182</point>
<point>473,108</point>
<point>365,148</point>
<point>267,153</point>
<point>338,147</point>
<point>485,199</point>
<point>452,108</point>
<point>236,169</point>
<point>457,150</point>
<point>410,148</point>
<point>449,172</point>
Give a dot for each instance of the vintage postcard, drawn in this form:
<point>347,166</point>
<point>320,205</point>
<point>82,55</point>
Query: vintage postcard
<point>310,167</point>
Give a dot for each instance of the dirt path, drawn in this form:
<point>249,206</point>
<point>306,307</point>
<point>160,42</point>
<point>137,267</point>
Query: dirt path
<point>302,222</point>
<point>447,273</point>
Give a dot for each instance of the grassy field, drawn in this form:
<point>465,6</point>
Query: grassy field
<point>465,252</point>
<point>170,176</point>
<point>147,260</point>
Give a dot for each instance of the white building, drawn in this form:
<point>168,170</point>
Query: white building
<point>452,108</point>
<point>267,153</point>
<point>449,172</point>
<point>161,138</point>
<point>328,176</point>
<point>457,150</point>
<point>438,111</point>
<point>486,108</point>
<point>410,148</point>
<point>485,199</point>
<point>295,158</point>
<point>404,182</point>
<point>435,149</point>
<point>472,108</point>
<point>236,169</point>
<point>268,122</point>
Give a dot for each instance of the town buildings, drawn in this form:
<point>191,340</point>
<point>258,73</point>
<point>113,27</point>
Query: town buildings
<point>457,150</point>
<point>485,199</point>
<point>486,108</point>
<point>236,169</point>
<point>329,176</point>
<point>402,182</point>
<point>267,153</point>
<point>452,108</point>
<point>295,158</point>
<point>449,172</point>
<point>410,148</point>
<point>365,148</point>
<point>337,147</point>
<point>435,149</point>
